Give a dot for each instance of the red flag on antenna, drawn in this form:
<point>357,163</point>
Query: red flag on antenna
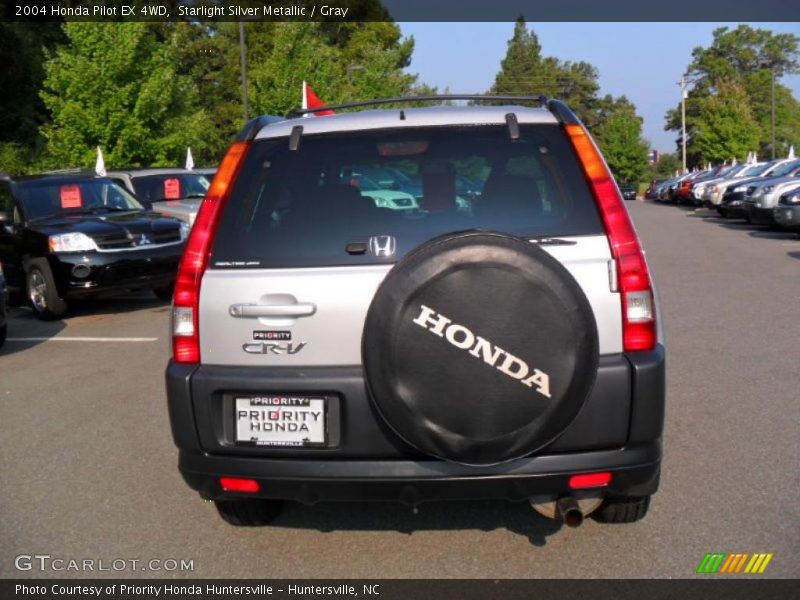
<point>311,100</point>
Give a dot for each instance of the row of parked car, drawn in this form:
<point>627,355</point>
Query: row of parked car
<point>762,193</point>
<point>66,235</point>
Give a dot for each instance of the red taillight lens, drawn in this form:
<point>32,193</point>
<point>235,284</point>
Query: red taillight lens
<point>185,333</point>
<point>237,484</point>
<point>589,480</point>
<point>638,306</point>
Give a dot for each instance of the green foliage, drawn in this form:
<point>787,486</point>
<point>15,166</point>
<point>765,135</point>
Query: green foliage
<point>619,136</point>
<point>725,127</point>
<point>747,58</point>
<point>114,85</point>
<point>665,168</point>
<point>524,71</point>
<point>365,63</point>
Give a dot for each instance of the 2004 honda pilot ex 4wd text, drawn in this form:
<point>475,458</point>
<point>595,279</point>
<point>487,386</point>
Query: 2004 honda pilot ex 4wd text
<point>496,336</point>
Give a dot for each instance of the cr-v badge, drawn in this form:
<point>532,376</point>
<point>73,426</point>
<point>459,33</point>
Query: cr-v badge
<point>382,245</point>
<point>273,347</point>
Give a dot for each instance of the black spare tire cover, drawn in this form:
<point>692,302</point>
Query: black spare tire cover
<point>479,348</point>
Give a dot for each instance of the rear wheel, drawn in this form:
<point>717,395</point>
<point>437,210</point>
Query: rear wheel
<point>622,509</point>
<point>249,513</point>
<point>43,295</point>
<point>3,333</point>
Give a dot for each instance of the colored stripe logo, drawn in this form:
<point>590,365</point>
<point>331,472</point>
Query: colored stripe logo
<point>737,562</point>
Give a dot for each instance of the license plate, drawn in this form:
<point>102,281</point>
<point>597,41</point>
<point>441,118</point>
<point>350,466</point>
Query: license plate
<point>280,420</point>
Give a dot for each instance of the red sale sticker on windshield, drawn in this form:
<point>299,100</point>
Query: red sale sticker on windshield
<point>71,196</point>
<point>172,189</point>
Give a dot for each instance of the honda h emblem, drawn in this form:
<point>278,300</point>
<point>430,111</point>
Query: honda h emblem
<point>382,245</point>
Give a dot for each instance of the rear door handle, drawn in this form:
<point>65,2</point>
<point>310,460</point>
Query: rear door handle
<point>245,311</point>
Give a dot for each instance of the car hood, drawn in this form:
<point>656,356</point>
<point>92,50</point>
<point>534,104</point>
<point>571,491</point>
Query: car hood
<point>778,181</point>
<point>104,224</point>
<point>743,181</point>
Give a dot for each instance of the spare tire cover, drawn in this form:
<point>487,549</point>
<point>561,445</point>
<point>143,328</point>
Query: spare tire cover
<point>479,348</point>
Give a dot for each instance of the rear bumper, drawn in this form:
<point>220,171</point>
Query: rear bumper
<point>619,430</point>
<point>635,471</point>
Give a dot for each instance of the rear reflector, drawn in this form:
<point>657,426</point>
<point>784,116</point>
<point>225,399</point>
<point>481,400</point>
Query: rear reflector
<point>589,480</point>
<point>236,484</point>
<point>185,332</point>
<point>633,277</point>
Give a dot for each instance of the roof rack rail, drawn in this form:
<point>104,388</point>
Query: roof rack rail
<point>299,112</point>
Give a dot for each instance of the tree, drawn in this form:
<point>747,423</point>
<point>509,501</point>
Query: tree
<point>668,164</point>
<point>748,58</point>
<point>366,63</point>
<point>725,127</point>
<point>524,71</point>
<point>115,85</point>
<point>619,136</point>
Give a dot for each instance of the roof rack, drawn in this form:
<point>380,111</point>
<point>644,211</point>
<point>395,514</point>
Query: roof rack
<point>299,112</point>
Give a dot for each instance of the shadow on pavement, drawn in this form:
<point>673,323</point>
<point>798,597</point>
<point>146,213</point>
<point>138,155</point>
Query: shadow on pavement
<point>23,324</point>
<point>794,255</point>
<point>516,517</point>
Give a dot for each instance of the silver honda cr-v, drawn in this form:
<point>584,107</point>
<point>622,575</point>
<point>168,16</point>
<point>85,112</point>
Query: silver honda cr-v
<point>496,337</point>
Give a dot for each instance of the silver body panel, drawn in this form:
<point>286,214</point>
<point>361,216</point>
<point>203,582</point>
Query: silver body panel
<point>339,298</point>
<point>414,117</point>
<point>770,199</point>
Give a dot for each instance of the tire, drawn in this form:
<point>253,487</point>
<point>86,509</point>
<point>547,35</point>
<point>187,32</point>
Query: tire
<point>624,509</point>
<point>43,294</point>
<point>249,513</point>
<point>165,292</point>
<point>3,333</point>
<point>514,331</point>
<point>722,212</point>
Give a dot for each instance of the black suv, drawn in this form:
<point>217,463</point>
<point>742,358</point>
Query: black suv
<point>501,344</point>
<point>65,236</point>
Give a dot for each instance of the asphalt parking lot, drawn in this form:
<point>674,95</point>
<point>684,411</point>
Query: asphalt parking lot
<point>88,468</point>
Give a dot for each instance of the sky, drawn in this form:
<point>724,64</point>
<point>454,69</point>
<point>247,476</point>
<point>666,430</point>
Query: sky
<point>643,61</point>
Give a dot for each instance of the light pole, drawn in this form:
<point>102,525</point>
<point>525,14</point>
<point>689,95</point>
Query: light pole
<point>682,83</point>
<point>243,62</point>
<point>772,73</point>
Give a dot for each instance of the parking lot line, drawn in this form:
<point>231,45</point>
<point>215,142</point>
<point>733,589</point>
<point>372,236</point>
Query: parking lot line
<point>82,339</point>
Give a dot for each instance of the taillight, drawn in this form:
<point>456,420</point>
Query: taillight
<point>638,306</point>
<point>589,480</point>
<point>185,332</point>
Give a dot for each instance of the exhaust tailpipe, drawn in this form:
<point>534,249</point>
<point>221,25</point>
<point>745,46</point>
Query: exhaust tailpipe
<point>569,511</point>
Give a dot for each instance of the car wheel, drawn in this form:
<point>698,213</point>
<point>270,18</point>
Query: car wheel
<point>43,295</point>
<point>249,513</point>
<point>3,333</point>
<point>722,213</point>
<point>165,292</point>
<point>623,509</point>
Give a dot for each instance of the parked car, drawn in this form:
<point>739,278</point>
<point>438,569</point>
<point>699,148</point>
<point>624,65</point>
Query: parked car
<point>628,190</point>
<point>651,191</point>
<point>787,212</point>
<point>383,197</point>
<point>710,186</point>
<point>325,348</point>
<point>683,192</point>
<point>157,185</point>
<point>761,197</point>
<point>732,199</point>
<point>71,236</point>
<point>3,307</point>
<point>700,183</point>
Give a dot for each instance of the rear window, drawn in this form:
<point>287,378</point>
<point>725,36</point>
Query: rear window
<point>321,204</point>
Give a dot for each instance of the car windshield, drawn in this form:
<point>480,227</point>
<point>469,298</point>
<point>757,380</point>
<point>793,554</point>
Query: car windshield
<point>755,170</point>
<point>170,186</point>
<point>46,197</point>
<point>312,206</point>
<point>786,169</point>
